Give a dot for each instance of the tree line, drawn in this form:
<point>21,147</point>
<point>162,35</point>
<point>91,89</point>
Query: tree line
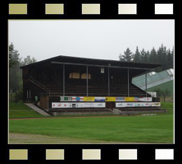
<point>161,56</point>
<point>15,73</point>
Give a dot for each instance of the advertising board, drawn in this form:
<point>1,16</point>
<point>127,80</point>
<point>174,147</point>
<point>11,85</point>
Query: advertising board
<point>120,98</point>
<point>129,98</point>
<point>110,99</point>
<point>145,99</point>
<point>136,104</point>
<point>78,105</point>
<point>100,99</point>
<point>89,98</point>
<point>61,105</point>
<point>77,98</point>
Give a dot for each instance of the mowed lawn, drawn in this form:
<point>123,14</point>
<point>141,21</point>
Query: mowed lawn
<point>20,110</point>
<point>124,129</point>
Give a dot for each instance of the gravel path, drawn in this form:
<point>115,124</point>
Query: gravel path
<point>17,138</point>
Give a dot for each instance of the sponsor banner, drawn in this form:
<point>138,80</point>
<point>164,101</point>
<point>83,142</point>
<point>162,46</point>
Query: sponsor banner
<point>61,98</point>
<point>77,98</point>
<point>120,105</point>
<point>78,105</point>
<point>129,104</point>
<point>147,104</point>
<point>89,98</point>
<point>102,99</point>
<point>73,98</point>
<point>111,99</point>
<point>156,104</point>
<point>65,98</point>
<point>129,98</point>
<point>99,105</point>
<point>137,104</point>
<point>120,98</point>
<point>91,105</point>
<point>61,105</point>
<point>135,98</point>
<point>145,99</point>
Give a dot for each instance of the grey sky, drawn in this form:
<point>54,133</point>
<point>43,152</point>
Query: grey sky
<point>102,39</point>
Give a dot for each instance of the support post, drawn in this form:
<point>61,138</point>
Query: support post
<point>108,81</point>
<point>87,79</point>
<point>128,83</point>
<point>63,80</point>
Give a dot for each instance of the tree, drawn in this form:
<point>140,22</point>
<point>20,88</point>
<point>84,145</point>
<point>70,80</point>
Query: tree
<point>15,74</point>
<point>165,93</point>
<point>12,61</point>
<point>127,56</point>
<point>143,55</point>
<point>14,70</point>
<point>28,60</point>
<point>153,56</point>
<point>158,91</point>
<point>161,58</point>
<point>147,54</point>
<point>169,59</point>
<point>136,56</point>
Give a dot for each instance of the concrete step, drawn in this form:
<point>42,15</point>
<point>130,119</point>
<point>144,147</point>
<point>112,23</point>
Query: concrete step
<point>38,110</point>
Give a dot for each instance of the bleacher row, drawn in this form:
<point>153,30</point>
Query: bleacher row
<point>56,88</point>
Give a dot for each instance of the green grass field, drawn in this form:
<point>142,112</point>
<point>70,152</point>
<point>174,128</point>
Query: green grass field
<point>122,129</point>
<point>20,110</point>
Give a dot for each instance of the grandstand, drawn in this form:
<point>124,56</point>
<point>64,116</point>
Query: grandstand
<point>71,84</point>
<point>163,80</point>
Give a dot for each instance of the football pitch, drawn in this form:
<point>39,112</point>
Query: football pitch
<point>107,129</point>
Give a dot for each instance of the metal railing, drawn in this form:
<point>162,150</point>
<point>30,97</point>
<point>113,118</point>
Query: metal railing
<point>39,84</point>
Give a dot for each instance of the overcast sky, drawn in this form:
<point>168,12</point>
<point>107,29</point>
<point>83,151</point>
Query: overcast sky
<point>101,39</point>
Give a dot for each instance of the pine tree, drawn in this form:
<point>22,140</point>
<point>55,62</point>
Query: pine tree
<point>169,59</point>
<point>153,56</point>
<point>143,55</point>
<point>147,54</point>
<point>161,56</point>
<point>127,56</point>
<point>136,56</point>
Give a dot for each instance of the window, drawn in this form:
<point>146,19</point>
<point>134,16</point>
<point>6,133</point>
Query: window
<point>74,75</point>
<point>84,76</point>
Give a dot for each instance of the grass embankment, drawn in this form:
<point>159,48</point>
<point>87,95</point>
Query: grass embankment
<point>133,129</point>
<point>20,110</point>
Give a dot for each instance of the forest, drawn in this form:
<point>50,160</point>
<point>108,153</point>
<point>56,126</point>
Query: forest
<point>162,55</point>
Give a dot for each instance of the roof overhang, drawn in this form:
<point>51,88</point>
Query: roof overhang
<point>67,60</point>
